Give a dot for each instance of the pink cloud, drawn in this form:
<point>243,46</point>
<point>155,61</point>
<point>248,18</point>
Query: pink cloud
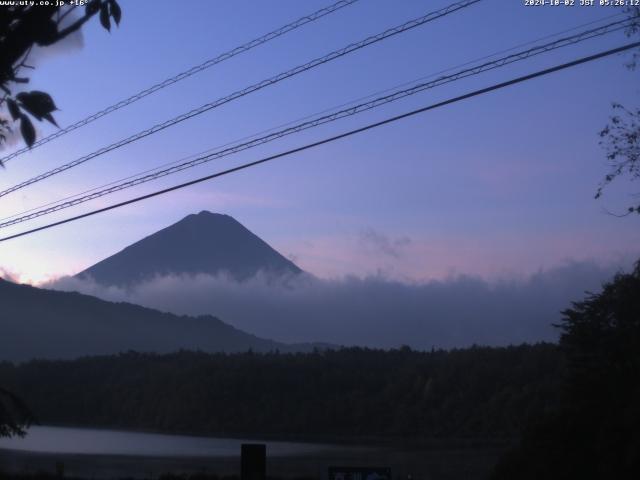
<point>427,257</point>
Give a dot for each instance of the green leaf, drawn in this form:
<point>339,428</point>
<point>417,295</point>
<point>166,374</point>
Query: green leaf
<point>50,119</point>
<point>14,109</point>
<point>116,13</point>
<point>27,130</point>
<point>92,7</point>
<point>104,16</point>
<point>37,103</point>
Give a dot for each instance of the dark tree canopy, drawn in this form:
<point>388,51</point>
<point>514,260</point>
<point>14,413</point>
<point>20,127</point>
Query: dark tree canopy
<point>477,392</point>
<point>595,432</point>
<point>601,337</point>
<point>23,27</point>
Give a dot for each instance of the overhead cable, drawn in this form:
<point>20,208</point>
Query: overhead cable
<point>248,90</point>
<point>321,120</point>
<point>334,138</point>
<point>185,74</point>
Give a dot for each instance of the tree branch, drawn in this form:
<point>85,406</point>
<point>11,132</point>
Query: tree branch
<point>75,26</point>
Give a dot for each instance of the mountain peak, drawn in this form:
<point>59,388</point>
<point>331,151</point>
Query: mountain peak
<point>203,243</point>
<point>208,220</point>
<point>206,214</point>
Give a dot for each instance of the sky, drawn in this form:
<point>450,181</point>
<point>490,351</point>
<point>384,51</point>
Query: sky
<point>498,186</point>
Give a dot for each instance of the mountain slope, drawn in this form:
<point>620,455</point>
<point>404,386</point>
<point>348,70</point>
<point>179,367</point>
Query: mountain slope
<point>204,243</point>
<point>37,323</point>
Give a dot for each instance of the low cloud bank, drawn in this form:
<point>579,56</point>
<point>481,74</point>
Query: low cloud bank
<point>8,275</point>
<point>373,311</point>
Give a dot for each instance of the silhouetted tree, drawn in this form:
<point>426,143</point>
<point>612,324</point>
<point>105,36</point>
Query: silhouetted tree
<point>621,137</point>
<point>23,27</point>
<point>14,415</point>
<point>595,432</point>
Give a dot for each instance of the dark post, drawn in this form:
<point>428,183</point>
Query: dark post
<point>253,461</point>
<point>60,469</point>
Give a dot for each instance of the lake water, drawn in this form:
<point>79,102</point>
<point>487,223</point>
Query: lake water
<point>111,454</point>
<point>42,439</point>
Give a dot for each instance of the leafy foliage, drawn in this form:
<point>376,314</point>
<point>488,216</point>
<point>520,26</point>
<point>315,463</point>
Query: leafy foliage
<point>594,434</point>
<point>634,28</point>
<point>621,139</point>
<point>23,27</point>
<point>621,136</point>
<point>475,392</point>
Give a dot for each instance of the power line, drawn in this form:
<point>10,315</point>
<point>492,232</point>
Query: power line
<point>253,88</point>
<point>306,117</point>
<point>187,73</point>
<point>360,108</point>
<point>466,96</point>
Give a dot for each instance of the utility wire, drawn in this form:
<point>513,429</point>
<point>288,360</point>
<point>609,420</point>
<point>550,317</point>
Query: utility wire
<point>253,88</point>
<point>362,107</point>
<point>186,74</point>
<point>306,117</point>
<point>349,133</point>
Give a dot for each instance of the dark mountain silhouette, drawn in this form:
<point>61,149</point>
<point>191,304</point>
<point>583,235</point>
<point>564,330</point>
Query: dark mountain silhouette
<point>47,324</point>
<point>207,243</point>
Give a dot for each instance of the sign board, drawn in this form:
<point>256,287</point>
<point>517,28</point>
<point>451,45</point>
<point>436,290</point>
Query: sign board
<point>359,473</point>
<point>253,459</point>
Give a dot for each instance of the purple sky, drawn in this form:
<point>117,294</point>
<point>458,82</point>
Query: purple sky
<point>497,185</point>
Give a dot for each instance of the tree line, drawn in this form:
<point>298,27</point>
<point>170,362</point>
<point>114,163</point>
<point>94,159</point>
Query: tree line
<point>476,392</point>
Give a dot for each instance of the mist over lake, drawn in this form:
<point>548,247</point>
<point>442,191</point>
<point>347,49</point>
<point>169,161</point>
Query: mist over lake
<point>87,441</point>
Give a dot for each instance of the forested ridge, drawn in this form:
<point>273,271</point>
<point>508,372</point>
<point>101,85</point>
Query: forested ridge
<point>478,392</point>
<point>41,323</point>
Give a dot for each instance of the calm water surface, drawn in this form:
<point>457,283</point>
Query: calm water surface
<point>41,439</point>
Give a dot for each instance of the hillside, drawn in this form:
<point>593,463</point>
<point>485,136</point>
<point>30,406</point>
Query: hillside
<point>38,323</point>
